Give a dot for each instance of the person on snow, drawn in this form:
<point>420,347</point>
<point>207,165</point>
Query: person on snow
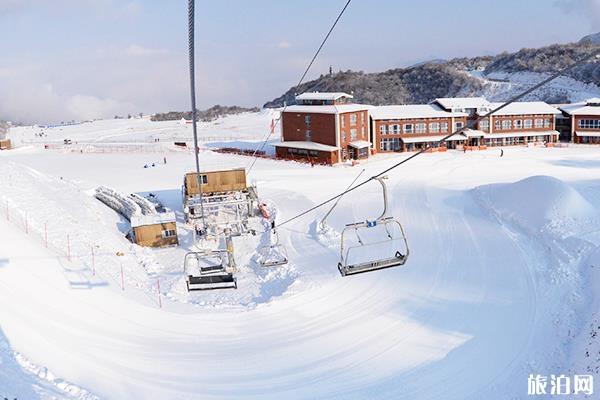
<point>501,152</point>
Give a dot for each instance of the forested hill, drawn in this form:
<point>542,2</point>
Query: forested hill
<point>497,77</point>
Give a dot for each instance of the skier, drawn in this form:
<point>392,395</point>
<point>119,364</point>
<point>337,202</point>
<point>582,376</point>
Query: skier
<point>501,152</point>
<point>164,160</point>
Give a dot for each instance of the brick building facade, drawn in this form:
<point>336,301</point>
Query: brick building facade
<point>324,128</point>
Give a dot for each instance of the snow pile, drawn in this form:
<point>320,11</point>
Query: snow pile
<point>124,205</point>
<point>536,203</point>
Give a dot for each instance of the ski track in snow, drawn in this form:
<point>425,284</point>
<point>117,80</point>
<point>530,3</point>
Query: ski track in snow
<point>492,291</point>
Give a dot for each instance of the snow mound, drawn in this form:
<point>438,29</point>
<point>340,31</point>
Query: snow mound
<point>536,202</point>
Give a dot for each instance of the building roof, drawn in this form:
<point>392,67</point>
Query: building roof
<point>307,146</point>
<point>520,134</point>
<point>462,102</point>
<point>360,144</point>
<point>411,111</point>
<point>583,108</point>
<point>323,96</point>
<point>332,109</point>
<point>524,107</point>
<point>152,219</point>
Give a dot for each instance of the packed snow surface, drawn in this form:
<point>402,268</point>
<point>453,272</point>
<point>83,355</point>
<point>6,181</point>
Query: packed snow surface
<point>501,281</point>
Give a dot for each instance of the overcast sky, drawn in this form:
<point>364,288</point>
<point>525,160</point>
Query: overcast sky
<point>81,59</point>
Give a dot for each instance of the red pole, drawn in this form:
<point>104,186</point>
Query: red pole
<point>46,234</point>
<point>158,288</point>
<point>68,248</point>
<point>93,263</point>
<point>122,279</point>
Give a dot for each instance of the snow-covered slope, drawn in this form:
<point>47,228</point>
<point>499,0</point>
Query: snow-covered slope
<point>499,284</point>
<point>500,86</point>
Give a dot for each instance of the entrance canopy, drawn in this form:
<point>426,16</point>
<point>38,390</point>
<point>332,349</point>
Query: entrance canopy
<point>359,144</point>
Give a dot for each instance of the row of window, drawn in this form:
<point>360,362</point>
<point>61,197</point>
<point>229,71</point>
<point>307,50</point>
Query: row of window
<point>169,233</point>
<point>303,152</point>
<point>421,127</point>
<point>507,124</point>
<point>589,123</point>
<point>353,120</point>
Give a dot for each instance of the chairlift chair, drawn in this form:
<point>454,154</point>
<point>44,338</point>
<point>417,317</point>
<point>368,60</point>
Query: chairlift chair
<point>213,274</point>
<point>273,254</point>
<point>396,240</point>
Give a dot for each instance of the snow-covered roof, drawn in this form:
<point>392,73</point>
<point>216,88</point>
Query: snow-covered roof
<point>520,134</point>
<point>473,133</point>
<point>152,219</point>
<point>323,96</point>
<point>583,108</point>
<point>425,139</point>
<point>359,144</point>
<point>524,108</point>
<point>411,111</point>
<point>307,146</point>
<point>462,102</point>
<point>333,109</point>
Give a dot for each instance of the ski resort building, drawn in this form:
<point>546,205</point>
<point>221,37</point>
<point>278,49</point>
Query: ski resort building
<point>516,124</point>
<point>584,120</point>
<point>324,128</point>
<point>5,143</point>
<point>472,106</point>
<point>155,230</point>
<point>412,127</point>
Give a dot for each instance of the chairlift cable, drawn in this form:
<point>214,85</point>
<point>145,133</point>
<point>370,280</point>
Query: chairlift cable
<point>277,121</point>
<point>438,143</point>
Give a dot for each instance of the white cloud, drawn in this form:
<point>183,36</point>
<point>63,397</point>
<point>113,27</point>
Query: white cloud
<point>84,107</point>
<point>284,44</point>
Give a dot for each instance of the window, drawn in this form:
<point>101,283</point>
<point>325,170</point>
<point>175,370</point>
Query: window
<point>307,120</point>
<point>518,124</point>
<point>353,135</point>
<point>589,123</point>
<point>383,129</point>
<point>547,123</point>
<point>313,153</point>
<point>352,119</point>
<point>362,132</point>
<point>308,134</point>
<point>497,125</point>
<point>527,124</point>
<point>203,179</point>
<point>458,125</point>
<point>539,123</point>
<point>434,127</point>
<point>506,124</point>
<point>342,121</point>
<point>390,144</point>
<point>169,233</point>
<point>420,128</point>
<point>395,129</point>
<point>408,128</point>
<point>444,127</point>
<point>484,125</point>
<point>362,118</point>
